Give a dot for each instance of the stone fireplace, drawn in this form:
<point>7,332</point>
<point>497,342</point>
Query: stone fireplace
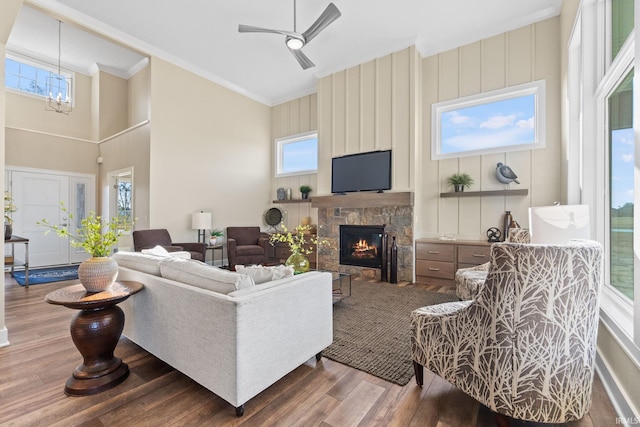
<point>394,211</point>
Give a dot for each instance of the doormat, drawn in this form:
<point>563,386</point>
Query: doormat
<point>47,275</point>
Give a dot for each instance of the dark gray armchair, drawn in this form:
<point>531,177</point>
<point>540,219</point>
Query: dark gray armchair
<point>147,239</point>
<point>247,245</point>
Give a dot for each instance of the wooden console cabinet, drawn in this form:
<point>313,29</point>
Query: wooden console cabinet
<point>438,260</point>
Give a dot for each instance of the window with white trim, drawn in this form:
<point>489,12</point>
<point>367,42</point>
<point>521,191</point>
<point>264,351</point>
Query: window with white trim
<point>297,154</point>
<point>31,78</point>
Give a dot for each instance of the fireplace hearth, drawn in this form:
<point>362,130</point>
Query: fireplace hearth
<point>362,245</point>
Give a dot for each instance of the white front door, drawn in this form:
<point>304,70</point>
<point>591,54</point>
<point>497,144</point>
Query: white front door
<point>38,196</point>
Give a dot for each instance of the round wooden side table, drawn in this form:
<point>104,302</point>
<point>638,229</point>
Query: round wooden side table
<point>95,331</point>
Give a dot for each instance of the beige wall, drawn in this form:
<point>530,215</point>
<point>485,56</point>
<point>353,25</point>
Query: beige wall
<point>26,112</point>
<point>287,119</point>
<point>113,103</point>
<point>209,151</point>
<point>128,150</point>
<point>138,97</point>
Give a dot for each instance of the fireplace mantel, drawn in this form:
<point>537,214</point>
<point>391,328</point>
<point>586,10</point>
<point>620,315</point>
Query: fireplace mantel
<point>360,200</point>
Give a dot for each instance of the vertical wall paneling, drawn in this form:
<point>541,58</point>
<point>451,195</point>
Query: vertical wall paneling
<point>401,119</point>
<point>383,103</point>
<point>339,113</point>
<point>368,107</point>
<point>353,110</point>
<point>494,52</point>
<point>325,129</point>
<point>428,183</point>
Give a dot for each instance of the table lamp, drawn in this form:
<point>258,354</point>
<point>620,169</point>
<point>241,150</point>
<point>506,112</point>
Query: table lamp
<point>201,221</point>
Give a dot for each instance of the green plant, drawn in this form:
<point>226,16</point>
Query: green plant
<point>305,189</point>
<point>463,179</point>
<point>9,207</point>
<point>95,236</point>
<point>297,239</point>
<point>216,233</point>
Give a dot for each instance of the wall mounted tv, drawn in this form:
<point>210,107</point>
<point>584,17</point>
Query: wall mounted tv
<point>369,171</point>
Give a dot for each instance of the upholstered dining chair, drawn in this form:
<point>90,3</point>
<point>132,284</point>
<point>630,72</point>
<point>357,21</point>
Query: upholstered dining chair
<point>525,346</point>
<point>247,245</point>
<point>147,239</point>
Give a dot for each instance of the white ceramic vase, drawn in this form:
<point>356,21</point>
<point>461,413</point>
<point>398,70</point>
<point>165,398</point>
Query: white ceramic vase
<point>98,273</point>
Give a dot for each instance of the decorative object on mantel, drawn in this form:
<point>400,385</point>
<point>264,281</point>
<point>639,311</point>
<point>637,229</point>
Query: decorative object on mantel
<point>59,84</point>
<point>505,174</point>
<point>459,181</point>
<point>97,238</point>
<point>281,194</point>
<point>288,193</point>
<point>9,208</point>
<point>215,233</point>
<point>305,190</point>
<point>506,221</point>
<point>298,241</point>
<point>494,234</point>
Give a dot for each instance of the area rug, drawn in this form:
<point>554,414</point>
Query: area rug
<point>371,328</point>
<point>47,275</point>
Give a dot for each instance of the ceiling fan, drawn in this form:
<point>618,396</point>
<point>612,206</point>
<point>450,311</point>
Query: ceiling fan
<point>296,41</point>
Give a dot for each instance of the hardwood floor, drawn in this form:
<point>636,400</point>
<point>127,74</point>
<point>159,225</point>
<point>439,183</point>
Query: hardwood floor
<point>34,368</point>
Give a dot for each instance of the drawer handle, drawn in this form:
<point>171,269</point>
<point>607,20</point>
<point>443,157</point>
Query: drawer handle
<point>434,252</point>
<point>479,255</point>
<point>433,269</point>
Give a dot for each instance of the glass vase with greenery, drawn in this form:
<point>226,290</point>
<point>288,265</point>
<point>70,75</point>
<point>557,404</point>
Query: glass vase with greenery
<point>299,241</point>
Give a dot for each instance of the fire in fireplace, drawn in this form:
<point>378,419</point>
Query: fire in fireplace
<point>362,245</point>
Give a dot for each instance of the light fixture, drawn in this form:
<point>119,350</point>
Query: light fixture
<point>201,221</point>
<point>59,85</point>
<point>294,43</point>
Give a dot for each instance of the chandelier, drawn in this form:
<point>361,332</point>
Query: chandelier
<point>60,86</point>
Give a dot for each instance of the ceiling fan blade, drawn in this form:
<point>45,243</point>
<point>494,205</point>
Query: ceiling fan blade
<point>330,14</point>
<point>250,29</point>
<point>302,59</point>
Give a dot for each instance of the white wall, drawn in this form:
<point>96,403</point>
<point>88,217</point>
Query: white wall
<point>210,150</point>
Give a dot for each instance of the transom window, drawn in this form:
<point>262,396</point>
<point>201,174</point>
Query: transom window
<point>30,78</point>
<point>491,122</point>
<point>297,154</point>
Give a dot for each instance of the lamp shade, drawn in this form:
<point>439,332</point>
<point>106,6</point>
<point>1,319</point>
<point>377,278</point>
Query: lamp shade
<point>201,220</point>
<point>558,224</point>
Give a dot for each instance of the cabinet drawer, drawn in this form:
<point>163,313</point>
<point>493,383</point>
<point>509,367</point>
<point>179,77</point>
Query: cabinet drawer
<point>442,270</point>
<point>435,252</point>
<point>473,255</point>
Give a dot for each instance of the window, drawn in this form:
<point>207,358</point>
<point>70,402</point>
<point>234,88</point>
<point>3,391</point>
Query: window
<point>297,155</point>
<point>503,120</point>
<point>621,24</point>
<point>30,78</point>
<point>621,187</point>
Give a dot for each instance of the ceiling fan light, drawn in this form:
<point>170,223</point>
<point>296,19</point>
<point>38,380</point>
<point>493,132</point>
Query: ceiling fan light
<point>294,43</point>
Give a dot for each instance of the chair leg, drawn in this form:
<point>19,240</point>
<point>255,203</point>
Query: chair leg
<point>239,411</point>
<point>419,372</point>
<point>319,356</point>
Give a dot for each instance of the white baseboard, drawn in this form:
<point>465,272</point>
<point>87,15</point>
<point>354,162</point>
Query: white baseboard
<point>4,337</point>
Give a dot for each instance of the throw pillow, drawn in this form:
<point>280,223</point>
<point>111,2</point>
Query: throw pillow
<point>160,251</point>
<point>201,275</point>
<point>261,274</point>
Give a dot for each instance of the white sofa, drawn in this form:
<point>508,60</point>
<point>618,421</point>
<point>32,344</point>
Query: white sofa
<point>235,343</point>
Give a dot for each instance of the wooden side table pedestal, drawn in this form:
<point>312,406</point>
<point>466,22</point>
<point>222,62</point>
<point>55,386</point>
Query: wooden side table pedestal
<point>95,331</point>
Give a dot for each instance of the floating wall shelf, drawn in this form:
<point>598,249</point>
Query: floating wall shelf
<point>292,201</point>
<point>522,192</point>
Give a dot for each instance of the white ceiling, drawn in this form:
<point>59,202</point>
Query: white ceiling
<point>202,35</point>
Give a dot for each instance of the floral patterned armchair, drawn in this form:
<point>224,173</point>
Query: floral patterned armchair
<point>525,346</point>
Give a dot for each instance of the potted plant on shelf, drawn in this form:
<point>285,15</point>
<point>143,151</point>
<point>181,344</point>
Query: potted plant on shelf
<point>459,181</point>
<point>298,241</point>
<point>9,208</point>
<point>97,238</point>
<point>215,233</point>
<point>305,190</point>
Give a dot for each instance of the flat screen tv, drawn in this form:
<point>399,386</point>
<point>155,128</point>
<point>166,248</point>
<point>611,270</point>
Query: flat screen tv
<point>369,171</point>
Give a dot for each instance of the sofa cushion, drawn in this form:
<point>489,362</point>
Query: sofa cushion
<point>249,250</point>
<point>261,274</point>
<point>201,275</point>
<point>145,263</point>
